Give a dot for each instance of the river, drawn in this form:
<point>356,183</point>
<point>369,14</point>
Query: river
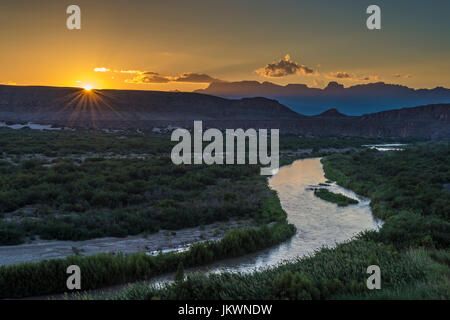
<point>319,223</point>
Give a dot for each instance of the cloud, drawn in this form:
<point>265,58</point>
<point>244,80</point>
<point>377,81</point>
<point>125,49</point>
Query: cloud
<point>352,77</point>
<point>406,76</point>
<point>370,78</point>
<point>196,78</point>
<point>148,77</point>
<point>339,75</point>
<point>154,77</point>
<point>102,69</point>
<point>282,68</point>
<point>131,71</point>
<point>9,83</point>
<point>319,83</point>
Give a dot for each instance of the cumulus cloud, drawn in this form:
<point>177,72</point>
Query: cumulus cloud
<point>282,68</point>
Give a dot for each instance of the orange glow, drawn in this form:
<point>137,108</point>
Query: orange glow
<point>107,51</point>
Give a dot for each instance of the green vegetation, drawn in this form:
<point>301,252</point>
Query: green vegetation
<point>339,199</point>
<point>328,274</point>
<point>294,142</point>
<point>81,185</point>
<point>120,197</point>
<point>405,188</point>
<point>49,276</point>
<point>63,143</point>
<point>293,147</point>
<point>179,275</point>
<point>412,247</point>
<point>117,188</point>
<point>87,184</point>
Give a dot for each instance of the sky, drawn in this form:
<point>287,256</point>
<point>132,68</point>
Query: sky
<point>187,44</point>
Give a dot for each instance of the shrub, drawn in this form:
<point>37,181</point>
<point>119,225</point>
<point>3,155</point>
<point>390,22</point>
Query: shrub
<point>295,287</point>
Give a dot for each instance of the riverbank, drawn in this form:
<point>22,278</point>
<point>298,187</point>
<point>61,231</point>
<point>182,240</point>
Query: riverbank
<point>161,242</point>
<point>411,248</point>
<point>102,270</point>
<point>316,220</point>
<point>319,224</point>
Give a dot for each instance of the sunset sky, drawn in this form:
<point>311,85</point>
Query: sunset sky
<point>186,44</point>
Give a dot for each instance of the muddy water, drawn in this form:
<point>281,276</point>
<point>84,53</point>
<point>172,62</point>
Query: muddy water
<point>319,223</point>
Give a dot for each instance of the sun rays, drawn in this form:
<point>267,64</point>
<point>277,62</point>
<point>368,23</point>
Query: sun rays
<point>87,107</point>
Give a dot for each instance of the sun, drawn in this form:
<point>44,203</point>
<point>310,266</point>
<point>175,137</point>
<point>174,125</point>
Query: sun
<point>87,88</point>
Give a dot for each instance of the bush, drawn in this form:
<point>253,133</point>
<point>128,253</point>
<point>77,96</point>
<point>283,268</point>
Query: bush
<point>339,199</point>
<point>295,287</point>
<point>408,229</point>
<point>326,274</point>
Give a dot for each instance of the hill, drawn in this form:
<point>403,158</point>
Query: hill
<point>76,107</point>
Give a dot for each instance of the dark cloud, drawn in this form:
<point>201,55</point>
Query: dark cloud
<point>282,68</point>
<point>153,77</point>
<point>370,78</point>
<point>339,75</point>
<point>195,78</point>
<point>406,76</point>
<point>352,77</point>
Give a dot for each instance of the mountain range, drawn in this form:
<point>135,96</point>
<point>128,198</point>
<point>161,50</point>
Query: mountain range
<point>355,100</point>
<point>75,107</point>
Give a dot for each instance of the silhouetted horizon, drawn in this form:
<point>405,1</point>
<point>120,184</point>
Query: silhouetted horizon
<point>352,100</point>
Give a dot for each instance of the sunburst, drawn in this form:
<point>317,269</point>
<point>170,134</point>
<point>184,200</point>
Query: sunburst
<point>87,106</point>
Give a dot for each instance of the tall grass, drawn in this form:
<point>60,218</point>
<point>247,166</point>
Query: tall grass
<point>324,275</point>
<point>49,276</point>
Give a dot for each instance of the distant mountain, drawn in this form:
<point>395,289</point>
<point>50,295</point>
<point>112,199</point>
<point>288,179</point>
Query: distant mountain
<point>332,113</point>
<point>355,100</point>
<point>75,107</point>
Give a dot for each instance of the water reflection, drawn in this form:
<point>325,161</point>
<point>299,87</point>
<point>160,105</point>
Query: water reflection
<point>386,146</point>
<point>319,223</point>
